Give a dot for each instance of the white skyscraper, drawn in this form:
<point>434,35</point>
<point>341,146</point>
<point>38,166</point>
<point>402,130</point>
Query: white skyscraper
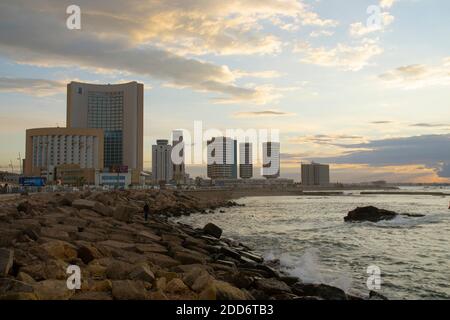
<point>271,159</point>
<point>162,166</point>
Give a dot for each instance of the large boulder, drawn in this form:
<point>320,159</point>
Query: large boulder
<point>370,213</point>
<point>176,289</point>
<point>83,204</point>
<point>87,253</point>
<point>129,290</point>
<point>322,291</point>
<point>67,199</point>
<point>8,286</point>
<point>6,261</point>
<point>220,290</point>
<point>119,270</point>
<point>102,209</point>
<point>52,290</point>
<point>125,213</point>
<point>162,260</point>
<point>213,230</point>
<point>142,272</point>
<point>60,250</point>
<point>272,286</point>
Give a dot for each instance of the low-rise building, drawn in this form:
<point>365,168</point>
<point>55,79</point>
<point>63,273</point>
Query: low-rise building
<point>49,148</point>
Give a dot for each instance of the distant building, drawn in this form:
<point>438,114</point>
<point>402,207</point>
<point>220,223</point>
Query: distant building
<point>271,160</point>
<point>315,174</point>
<point>118,110</point>
<point>48,148</point>
<point>162,166</point>
<point>245,160</point>
<point>120,180</point>
<point>179,170</point>
<point>279,183</point>
<point>222,158</point>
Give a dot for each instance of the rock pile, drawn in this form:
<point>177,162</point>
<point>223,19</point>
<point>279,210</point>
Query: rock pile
<point>123,257</point>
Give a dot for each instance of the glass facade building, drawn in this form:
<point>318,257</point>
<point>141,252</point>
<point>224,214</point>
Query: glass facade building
<point>105,111</point>
<point>117,110</point>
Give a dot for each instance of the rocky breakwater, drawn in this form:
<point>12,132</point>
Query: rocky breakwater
<point>123,257</point>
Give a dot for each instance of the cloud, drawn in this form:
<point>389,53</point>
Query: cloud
<point>328,139</point>
<point>358,29</point>
<point>35,87</point>
<point>432,151</point>
<point>416,76</point>
<point>263,113</point>
<point>120,37</point>
<point>430,125</point>
<point>381,122</point>
<point>386,4</point>
<point>344,57</point>
<point>190,26</point>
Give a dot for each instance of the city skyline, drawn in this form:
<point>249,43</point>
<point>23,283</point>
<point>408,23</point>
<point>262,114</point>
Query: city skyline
<point>372,103</point>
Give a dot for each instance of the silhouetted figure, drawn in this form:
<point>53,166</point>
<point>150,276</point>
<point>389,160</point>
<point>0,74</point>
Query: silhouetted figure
<point>146,211</point>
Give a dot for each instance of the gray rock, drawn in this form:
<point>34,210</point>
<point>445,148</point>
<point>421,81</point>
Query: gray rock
<point>272,286</point>
<point>6,261</point>
<point>8,286</point>
<point>213,230</point>
<point>83,204</point>
<point>319,290</point>
<point>124,213</point>
<point>142,272</point>
<point>102,209</point>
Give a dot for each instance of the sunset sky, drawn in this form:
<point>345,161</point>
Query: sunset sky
<point>373,102</point>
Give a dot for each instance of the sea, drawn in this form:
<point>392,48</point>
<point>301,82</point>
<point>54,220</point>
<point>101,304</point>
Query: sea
<point>404,258</point>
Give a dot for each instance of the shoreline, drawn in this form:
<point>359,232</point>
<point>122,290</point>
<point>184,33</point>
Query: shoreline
<point>121,256</point>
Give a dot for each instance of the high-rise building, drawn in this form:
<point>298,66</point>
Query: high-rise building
<point>162,166</point>
<point>271,160</point>
<point>179,171</point>
<point>49,148</point>
<point>315,174</point>
<point>118,110</point>
<point>222,158</point>
<point>245,160</point>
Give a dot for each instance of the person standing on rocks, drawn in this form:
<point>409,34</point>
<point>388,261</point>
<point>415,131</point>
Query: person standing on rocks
<point>146,211</point>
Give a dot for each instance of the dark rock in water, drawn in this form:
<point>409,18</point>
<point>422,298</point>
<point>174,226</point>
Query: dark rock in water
<point>213,230</point>
<point>373,295</point>
<point>289,280</point>
<point>370,213</point>
<point>319,290</point>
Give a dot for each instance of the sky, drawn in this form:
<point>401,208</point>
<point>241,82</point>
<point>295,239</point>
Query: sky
<point>360,84</point>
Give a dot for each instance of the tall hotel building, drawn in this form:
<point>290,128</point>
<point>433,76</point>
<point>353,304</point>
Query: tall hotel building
<point>179,171</point>
<point>245,160</point>
<point>271,160</point>
<point>162,166</point>
<point>118,110</point>
<point>222,158</point>
<point>48,149</point>
<point>315,174</point>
